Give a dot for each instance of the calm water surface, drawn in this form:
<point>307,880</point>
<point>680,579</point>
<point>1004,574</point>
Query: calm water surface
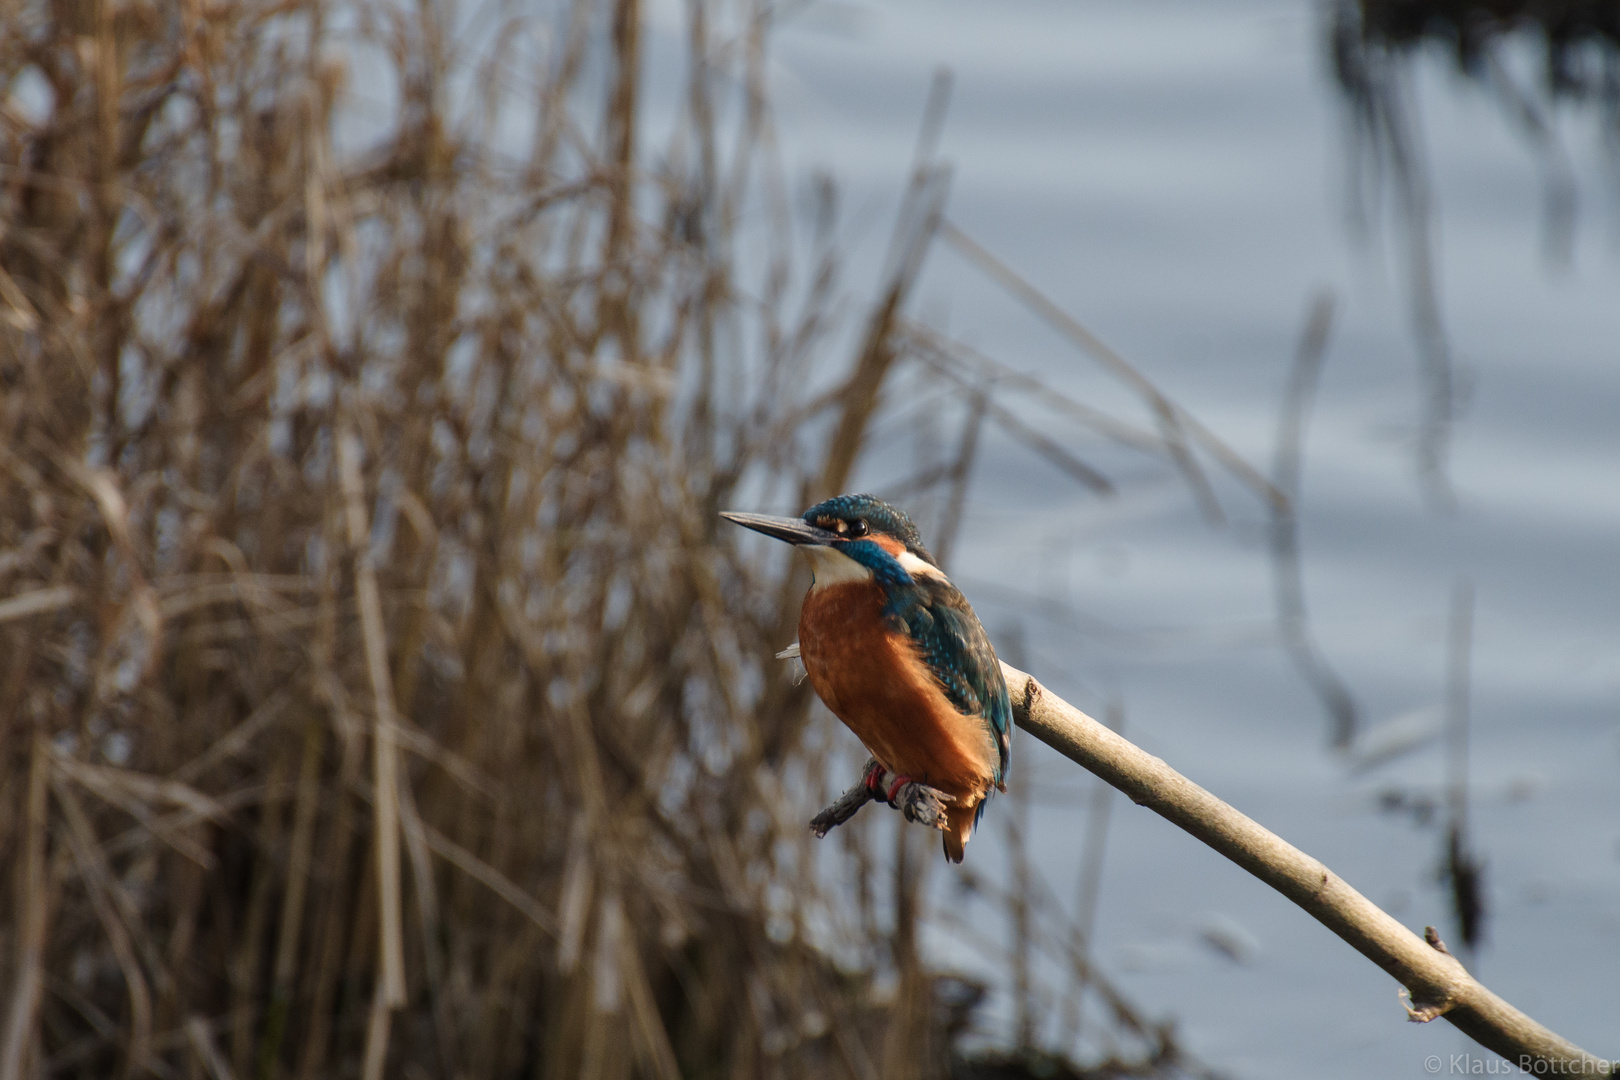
<point>1173,175</point>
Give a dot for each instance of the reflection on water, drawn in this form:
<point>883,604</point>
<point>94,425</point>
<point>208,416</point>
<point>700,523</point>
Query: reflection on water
<point>1375,46</point>
<point>1578,40</point>
<point>1174,178</point>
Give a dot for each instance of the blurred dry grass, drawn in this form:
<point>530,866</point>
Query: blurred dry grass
<point>378,697</point>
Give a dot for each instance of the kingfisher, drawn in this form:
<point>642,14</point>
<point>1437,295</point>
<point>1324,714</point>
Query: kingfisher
<point>895,651</point>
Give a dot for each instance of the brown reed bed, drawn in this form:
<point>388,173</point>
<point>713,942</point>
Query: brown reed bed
<point>377,693</point>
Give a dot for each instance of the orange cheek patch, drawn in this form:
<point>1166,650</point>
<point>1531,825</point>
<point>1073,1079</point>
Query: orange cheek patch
<point>889,544</point>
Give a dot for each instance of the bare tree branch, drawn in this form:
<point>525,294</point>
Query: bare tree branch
<point>1438,984</point>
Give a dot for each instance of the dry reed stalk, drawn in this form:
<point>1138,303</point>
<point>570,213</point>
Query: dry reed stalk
<point>1179,429</point>
<point>299,856</point>
<point>202,1041</point>
<point>385,756</point>
<point>33,911</point>
<point>115,911</point>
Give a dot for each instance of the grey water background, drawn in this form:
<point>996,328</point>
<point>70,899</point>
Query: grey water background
<point>1175,176</point>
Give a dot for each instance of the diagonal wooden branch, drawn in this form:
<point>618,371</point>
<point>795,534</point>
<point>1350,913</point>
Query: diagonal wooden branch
<point>1437,984</point>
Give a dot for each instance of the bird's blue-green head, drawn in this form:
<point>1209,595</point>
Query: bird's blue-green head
<point>841,519</point>
<point>855,516</point>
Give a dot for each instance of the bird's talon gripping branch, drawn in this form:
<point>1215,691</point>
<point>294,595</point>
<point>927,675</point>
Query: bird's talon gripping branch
<point>921,804</point>
<point>872,778</point>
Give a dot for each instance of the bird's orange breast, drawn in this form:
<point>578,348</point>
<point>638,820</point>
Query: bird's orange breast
<point>873,679</point>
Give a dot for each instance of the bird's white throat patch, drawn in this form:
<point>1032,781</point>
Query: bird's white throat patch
<point>916,567</point>
<point>833,567</point>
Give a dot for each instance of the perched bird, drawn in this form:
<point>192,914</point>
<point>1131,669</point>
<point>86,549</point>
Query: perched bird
<point>898,655</point>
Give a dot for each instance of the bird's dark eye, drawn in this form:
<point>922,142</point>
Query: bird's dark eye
<point>859,527</point>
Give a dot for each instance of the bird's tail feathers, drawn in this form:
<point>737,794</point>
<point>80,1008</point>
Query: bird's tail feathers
<point>959,822</point>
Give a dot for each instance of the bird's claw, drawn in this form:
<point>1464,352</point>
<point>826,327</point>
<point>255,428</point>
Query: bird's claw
<point>914,799</point>
<point>920,803</point>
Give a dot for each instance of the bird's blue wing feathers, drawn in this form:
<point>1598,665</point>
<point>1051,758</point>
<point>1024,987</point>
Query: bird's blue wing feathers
<point>955,648</point>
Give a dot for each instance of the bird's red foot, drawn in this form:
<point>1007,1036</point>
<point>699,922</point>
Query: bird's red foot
<point>873,780</point>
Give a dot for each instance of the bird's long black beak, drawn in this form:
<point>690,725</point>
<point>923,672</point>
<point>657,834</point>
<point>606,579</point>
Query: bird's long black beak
<point>793,530</point>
